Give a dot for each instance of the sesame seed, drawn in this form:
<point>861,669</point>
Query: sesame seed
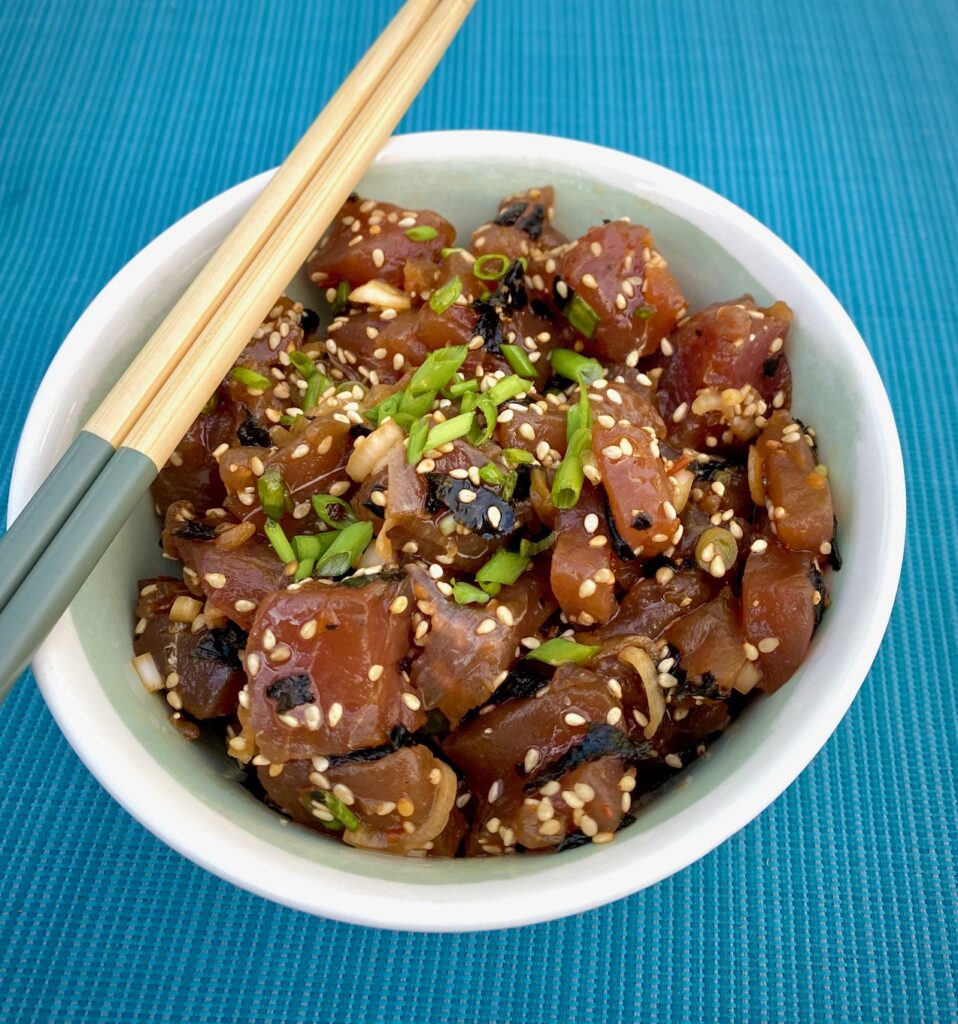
<point>680,413</point>
<point>411,701</point>
<point>574,718</point>
<point>589,281</point>
<point>466,496</point>
<point>760,545</point>
<point>486,626</point>
<point>405,806</point>
<point>591,523</point>
<point>505,616</point>
<point>673,760</point>
<point>216,580</point>
<point>603,837</point>
<point>242,605</point>
<point>335,714</point>
<point>588,826</point>
<point>586,588</point>
<point>751,651</point>
<point>552,827</point>
<point>614,716</point>
<point>495,791</point>
<point>399,605</point>
<point>375,672</point>
<point>768,644</point>
<point>527,431</point>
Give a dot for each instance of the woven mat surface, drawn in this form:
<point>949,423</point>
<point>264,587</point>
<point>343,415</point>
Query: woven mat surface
<point>834,123</point>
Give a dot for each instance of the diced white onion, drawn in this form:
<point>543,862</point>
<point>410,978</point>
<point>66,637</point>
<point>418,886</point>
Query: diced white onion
<point>379,293</point>
<point>374,450</point>
<point>145,667</point>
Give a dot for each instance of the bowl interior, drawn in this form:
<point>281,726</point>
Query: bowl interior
<point>746,768</point>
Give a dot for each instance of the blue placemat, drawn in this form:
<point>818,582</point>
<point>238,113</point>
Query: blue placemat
<point>837,125</point>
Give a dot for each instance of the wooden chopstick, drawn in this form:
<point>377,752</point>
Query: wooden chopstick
<point>107,428</point>
<point>167,413</point>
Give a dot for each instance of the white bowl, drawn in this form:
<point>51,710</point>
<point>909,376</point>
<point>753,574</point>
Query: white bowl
<point>186,793</point>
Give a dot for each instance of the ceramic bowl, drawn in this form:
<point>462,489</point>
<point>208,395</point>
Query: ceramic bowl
<point>187,794</point>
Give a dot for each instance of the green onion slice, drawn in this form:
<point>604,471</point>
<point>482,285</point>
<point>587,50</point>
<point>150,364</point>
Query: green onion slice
<point>460,387</point>
<point>530,548</point>
<point>504,568</point>
<point>384,409</point>
<point>519,360</point>
<point>250,378</point>
<point>438,369</point>
<point>560,651</point>
<point>340,811</point>
<point>491,267</point>
<point>644,312</point>
<point>304,569</point>
<point>451,430</point>
<point>345,550</point>
<point>303,363</point>
<point>421,233</point>
<point>576,367</point>
<point>491,474</point>
<point>321,504</point>
<point>508,387</point>
<point>567,486</point>
<point>315,388</point>
<point>445,295</point>
<point>312,545</point>
<point>276,535</point>
<point>341,298</point>
<point>271,487</point>
<point>581,315</point>
<point>466,593</point>
<point>418,432</point>
<point>508,488</point>
<point>484,404</point>
<point>518,456</point>
<point>447,251</point>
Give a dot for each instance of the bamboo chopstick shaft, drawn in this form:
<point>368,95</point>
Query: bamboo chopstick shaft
<point>177,403</point>
<point>161,354</point>
<point>46,512</point>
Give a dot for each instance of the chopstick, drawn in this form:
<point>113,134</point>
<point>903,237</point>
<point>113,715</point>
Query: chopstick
<point>107,428</point>
<point>162,417</point>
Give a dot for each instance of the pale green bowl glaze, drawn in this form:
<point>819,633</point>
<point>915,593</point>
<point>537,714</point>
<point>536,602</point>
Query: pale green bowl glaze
<point>187,792</point>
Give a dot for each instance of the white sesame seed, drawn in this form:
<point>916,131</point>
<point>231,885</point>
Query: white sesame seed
<point>768,644</point>
<point>486,626</point>
<point>573,718</point>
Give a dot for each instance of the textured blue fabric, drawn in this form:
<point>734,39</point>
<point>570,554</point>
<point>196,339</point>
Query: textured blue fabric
<point>834,123</point>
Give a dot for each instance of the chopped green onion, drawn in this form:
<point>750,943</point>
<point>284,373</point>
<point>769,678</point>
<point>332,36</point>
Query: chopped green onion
<point>530,548</point>
<point>508,388</point>
<point>466,593</point>
<point>418,432</point>
<point>345,550</point>
<point>503,568</point>
<point>570,364</point>
<point>484,404</point>
<point>518,456</point>
<point>510,485</point>
<point>481,268</point>
<point>567,486</point>
<point>250,378</point>
<point>322,502</point>
<point>524,263</point>
<point>446,252</point>
<point>491,474</point>
<point>560,651</point>
<point>445,295</point>
<point>579,416</point>
<point>317,386</point>
<point>581,315</point>
<point>271,487</point>
<point>281,545</point>
<point>312,545</point>
<point>485,297</point>
<point>304,569</point>
<point>341,298</point>
<point>290,421</point>
<point>421,233</point>
<point>644,312</point>
<point>518,359</point>
<point>443,433</point>
<point>340,811</point>
<point>460,387</point>
<point>303,363</point>
<point>387,407</point>
<point>438,369</point>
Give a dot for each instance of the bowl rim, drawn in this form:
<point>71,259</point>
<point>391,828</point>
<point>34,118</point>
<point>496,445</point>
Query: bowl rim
<point>231,852</point>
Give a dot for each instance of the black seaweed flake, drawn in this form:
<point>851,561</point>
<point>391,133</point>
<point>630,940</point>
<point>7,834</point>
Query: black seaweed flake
<point>641,521</point>
<point>834,557</point>
<point>223,645</point>
<point>399,737</point>
<point>291,692</point>
<point>600,740</point>
<point>488,326</point>
<point>511,293</point>
<point>359,430</point>
<point>376,510</point>
<point>364,580</point>
<point>444,491</point>
<point>309,321</point>
<point>619,546</point>
<point>250,434</point>
<point>507,217</point>
<point>817,578</point>
<point>770,366</point>
<point>192,530</point>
